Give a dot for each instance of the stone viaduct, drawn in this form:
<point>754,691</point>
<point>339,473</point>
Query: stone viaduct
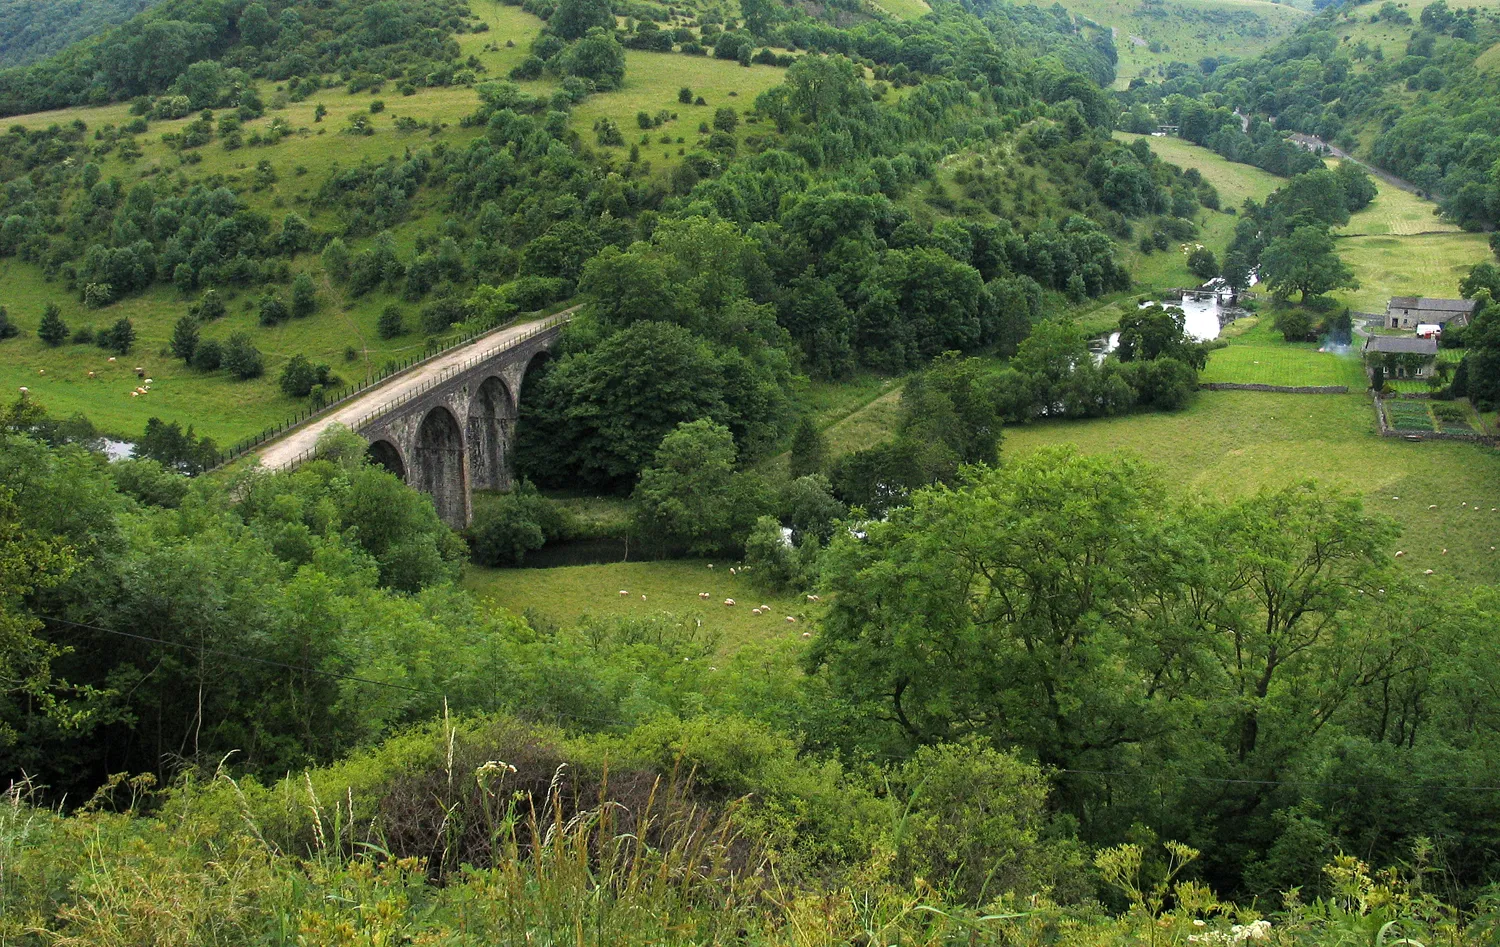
<point>445,426</point>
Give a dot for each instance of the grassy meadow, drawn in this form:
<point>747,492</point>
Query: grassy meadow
<point>903,9</point>
<point>565,594</point>
<point>1232,443</point>
<point>1257,355</point>
<point>1414,265</point>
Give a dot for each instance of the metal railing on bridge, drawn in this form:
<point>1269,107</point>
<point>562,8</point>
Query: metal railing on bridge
<point>391,369</point>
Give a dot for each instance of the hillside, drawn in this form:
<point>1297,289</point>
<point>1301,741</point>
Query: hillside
<point>1153,35</point>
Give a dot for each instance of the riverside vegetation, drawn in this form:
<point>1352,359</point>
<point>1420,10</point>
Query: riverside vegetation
<point>1010,692</point>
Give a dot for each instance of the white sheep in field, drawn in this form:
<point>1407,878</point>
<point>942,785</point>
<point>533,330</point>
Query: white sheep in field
<point>729,601</point>
<point>766,608</point>
<point>111,359</point>
<point>1400,553</point>
<point>710,565</point>
<point>624,592</point>
<point>814,598</point>
<point>790,620</point>
<point>24,390</point>
<point>731,570</point>
<point>1432,506</point>
<point>135,394</point>
<point>643,596</point>
<point>807,634</point>
<point>1427,572</point>
<point>91,374</point>
<point>703,595</point>
<point>148,381</point>
<point>41,371</point>
<point>1445,552</point>
<point>755,611</point>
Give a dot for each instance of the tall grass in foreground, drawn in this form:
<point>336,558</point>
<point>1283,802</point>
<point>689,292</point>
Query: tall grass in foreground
<point>458,852</point>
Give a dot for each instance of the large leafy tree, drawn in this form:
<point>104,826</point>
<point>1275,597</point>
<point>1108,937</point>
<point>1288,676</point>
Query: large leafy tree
<point>1305,261</point>
<point>573,18</point>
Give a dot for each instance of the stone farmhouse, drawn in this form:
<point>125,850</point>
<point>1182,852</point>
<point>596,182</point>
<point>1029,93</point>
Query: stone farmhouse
<point>1408,312</point>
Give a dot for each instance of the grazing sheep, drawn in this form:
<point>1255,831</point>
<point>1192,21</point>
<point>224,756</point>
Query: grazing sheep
<point>710,565</point>
<point>624,592</point>
<point>814,598</point>
<point>1432,506</point>
<point>1395,498</point>
<point>91,374</point>
<point>731,570</point>
<point>111,359</point>
<point>135,394</point>
<point>807,634</point>
<point>140,372</point>
<point>703,595</point>
<point>1445,552</point>
<point>1400,553</point>
<point>148,381</point>
<point>24,389</point>
<point>1427,572</point>
<point>729,601</point>
<point>41,371</point>
<point>755,611</point>
<point>765,608</point>
<point>643,596</point>
<point>790,620</point>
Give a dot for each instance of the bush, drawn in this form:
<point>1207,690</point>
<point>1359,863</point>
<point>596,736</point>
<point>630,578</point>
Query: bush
<point>53,330</point>
<point>208,356</point>
<point>8,329</point>
<point>513,524</point>
<point>118,338</point>
<point>390,325</point>
<point>242,358</point>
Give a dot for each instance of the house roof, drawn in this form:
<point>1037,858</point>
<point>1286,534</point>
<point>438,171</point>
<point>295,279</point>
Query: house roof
<point>1400,344</point>
<point>1431,304</point>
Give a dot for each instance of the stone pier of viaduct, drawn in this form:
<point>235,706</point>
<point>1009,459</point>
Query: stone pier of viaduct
<point>446,426</point>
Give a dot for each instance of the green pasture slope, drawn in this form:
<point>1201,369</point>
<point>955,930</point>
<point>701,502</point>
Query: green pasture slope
<point>566,594</point>
<point>342,332</point>
<point>1257,355</point>
<point>1187,30</point>
<point>1232,443</point>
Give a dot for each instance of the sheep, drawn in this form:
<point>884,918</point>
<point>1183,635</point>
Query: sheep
<point>111,359</point>
<point>1400,553</point>
<point>729,601</point>
<point>790,620</point>
<point>710,565</point>
<point>1427,572</point>
<point>24,390</point>
<point>148,381</point>
<point>765,608</point>
<point>624,592</point>
<point>135,394</point>
<point>703,595</point>
<point>140,372</point>
<point>1395,498</point>
<point>643,596</point>
<point>731,570</point>
<point>41,371</point>
<point>1432,506</point>
<point>814,598</point>
<point>755,611</point>
<point>807,634</point>
<point>91,374</point>
<point>1445,552</point>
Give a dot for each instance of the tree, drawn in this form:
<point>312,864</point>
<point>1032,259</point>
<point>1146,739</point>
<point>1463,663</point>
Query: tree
<point>597,57</point>
<point>574,18</point>
<point>726,119</point>
<point>1305,261</point>
<point>119,337</point>
<point>685,95</point>
<point>242,358</point>
<point>809,452</point>
<point>208,355</point>
<point>8,329</point>
<point>1295,325</point>
<point>390,324</point>
<point>336,259</point>
<point>1203,264</point>
<point>304,296</point>
<point>210,307</point>
<point>52,330</point>
<point>184,338</point>
<point>29,560</point>
<point>691,497</point>
<point>298,376</point>
<point>1482,276</point>
<point>1157,332</point>
<point>272,309</point>
<point>511,525</point>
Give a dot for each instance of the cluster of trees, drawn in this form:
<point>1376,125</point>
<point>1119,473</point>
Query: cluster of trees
<point>148,54</point>
<point>1289,237</point>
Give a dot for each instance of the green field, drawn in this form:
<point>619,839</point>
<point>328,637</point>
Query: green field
<point>651,84</point>
<point>1231,443</point>
<point>1396,212</point>
<point>565,594</point>
<point>1235,182</point>
<point>1257,355</point>
<point>1415,265</point>
<point>903,9</point>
